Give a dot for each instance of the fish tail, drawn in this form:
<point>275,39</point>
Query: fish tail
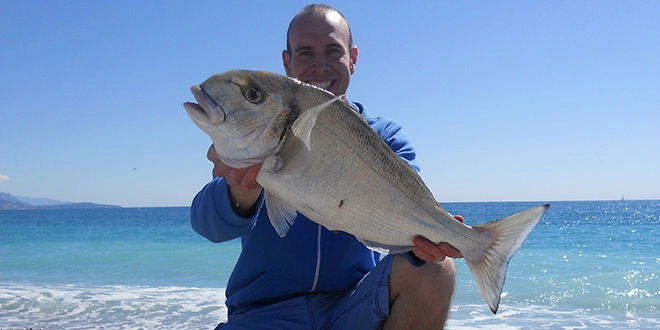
<point>506,237</point>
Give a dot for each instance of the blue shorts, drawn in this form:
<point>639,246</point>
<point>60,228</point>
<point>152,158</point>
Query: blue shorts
<point>366,306</point>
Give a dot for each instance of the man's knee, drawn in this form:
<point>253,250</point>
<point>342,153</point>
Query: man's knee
<point>438,278</point>
<point>445,273</point>
<point>420,296</point>
<point>445,269</point>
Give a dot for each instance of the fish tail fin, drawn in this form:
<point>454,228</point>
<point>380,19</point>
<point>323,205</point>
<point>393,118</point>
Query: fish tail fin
<point>506,237</point>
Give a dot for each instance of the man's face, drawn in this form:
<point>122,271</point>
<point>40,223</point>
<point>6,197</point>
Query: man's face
<point>320,53</point>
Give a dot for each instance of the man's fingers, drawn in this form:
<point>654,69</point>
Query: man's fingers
<point>211,154</point>
<point>449,250</point>
<point>424,256</point>
<point>427,250</point>
<point>221,170</point>
<point>250,177</point>
<point>244,177</point>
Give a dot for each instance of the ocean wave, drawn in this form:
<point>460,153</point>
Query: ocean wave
<point>140,307</point>
<point>511,317</point>
<point>111,307</point>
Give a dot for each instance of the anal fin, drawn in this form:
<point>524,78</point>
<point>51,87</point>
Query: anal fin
<point>384,248</point>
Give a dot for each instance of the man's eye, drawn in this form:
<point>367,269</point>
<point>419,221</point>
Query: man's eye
<point>336,50</point>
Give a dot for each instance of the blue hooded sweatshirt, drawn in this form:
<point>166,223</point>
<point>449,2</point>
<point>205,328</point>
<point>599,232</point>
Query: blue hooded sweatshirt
<point>308,259</point>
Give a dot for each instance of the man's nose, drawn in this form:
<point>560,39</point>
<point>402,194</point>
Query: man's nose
<point>320,62</point>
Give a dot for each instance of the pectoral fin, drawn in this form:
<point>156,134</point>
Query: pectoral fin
<point>302,127</point>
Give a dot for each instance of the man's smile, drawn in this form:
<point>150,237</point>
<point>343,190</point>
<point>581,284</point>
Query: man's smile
<point>320,83</point>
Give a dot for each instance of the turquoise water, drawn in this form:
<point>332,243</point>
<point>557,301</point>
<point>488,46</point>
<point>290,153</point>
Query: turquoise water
<point>587,265</point>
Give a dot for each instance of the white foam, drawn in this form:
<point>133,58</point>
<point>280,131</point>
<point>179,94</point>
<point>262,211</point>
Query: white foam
<point>113,307</point>
<point>138,307</point>
<point>471,316</point>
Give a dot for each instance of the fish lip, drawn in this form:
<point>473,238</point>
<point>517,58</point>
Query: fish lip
<point>213,110</point>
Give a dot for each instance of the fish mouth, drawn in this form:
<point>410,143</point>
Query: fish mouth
<point>206,109</point>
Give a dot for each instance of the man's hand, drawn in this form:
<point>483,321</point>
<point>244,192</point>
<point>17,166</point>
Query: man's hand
<point>243,187</point>
<point>245,178</point>
<point>432,252</point>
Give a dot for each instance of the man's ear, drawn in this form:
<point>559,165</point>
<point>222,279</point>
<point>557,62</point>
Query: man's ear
<point>286,61</point>
<point>354,57</point>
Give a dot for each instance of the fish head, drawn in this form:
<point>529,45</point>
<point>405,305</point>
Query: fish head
<point>246,113</point>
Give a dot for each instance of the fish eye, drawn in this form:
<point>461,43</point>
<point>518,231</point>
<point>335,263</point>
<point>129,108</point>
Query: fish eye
<point>253,95</point>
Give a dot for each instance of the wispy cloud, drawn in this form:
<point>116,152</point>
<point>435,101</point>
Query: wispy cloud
<point>3,178</point>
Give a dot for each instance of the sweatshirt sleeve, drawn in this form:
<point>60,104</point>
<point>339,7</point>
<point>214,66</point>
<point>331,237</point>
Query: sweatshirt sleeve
<point>212,216</point>
<point>398,141</point>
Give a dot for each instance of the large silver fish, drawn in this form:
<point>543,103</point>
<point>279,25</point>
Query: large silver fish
<point>322,159</point>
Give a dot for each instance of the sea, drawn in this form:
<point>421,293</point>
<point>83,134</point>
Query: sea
<point>587,265</point>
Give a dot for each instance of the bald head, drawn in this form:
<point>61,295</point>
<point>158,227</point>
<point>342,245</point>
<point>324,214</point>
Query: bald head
<point>318,11</point>
<point>320,49</point>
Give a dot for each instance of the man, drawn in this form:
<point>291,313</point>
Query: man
<point>314,278</point>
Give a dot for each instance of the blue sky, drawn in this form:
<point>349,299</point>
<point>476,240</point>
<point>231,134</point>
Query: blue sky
<point>505,101</point>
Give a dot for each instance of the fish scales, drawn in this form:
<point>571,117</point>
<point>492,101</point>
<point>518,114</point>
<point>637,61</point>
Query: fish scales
<point>387,186</point>
<point>322,159</point>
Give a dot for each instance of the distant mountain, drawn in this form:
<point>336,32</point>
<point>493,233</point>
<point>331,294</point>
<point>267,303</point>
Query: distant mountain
<point>9,202</point>
<point>77,206</point>
<point>40,201</point>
